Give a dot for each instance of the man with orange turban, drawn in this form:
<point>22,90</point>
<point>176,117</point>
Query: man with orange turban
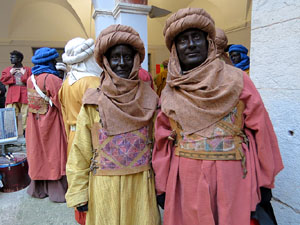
<point>215,147</point>
<point>108,168</point>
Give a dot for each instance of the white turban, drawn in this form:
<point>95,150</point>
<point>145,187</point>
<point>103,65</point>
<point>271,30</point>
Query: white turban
<point>79,55</point>
<point>61,66</point>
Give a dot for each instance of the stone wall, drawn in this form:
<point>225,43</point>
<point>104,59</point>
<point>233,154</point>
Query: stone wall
<point>275,70</point>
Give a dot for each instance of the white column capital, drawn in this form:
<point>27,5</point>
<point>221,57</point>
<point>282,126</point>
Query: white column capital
<point>134,15</point>
<point>122,7</point>
<point>102,12</point>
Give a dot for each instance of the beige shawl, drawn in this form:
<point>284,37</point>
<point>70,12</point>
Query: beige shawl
<point>124,104</point>
<point>202,96</point>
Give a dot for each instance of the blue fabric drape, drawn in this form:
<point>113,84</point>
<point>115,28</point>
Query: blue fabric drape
<point>43,61</point>
<point>245,60</point>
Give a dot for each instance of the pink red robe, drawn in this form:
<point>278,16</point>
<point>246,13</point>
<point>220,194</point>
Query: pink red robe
<point>144,75</point>
<point>206,192</point>
<point>15,93</point>
<point>45,135</point>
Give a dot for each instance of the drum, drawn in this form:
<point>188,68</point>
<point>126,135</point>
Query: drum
<point>14,172</point>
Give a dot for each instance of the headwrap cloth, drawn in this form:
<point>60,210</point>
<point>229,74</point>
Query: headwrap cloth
<point>79,55</point>
<point>43,61</point>
<point>124,104</point>
<point>221,44</point>
<point>245,60</point>
<point>61,66</point>
<point>205,94</point>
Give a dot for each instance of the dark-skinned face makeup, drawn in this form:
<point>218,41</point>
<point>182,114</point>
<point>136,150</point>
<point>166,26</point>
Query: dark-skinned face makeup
<point>121,58</point>
<point>235,57</point>
<point>192,48</point>
<point>14,59</point>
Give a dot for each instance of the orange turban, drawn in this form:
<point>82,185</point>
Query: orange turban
<point>115,35</point>
<point>185,19</point>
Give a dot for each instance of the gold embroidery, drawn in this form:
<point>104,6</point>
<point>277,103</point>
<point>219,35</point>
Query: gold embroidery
<point>99,155</point>
<point>225,143</point>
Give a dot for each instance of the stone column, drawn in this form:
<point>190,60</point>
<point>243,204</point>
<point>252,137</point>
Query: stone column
<point>127,12</point>
<point>103,15</point>
<point>275,66</point>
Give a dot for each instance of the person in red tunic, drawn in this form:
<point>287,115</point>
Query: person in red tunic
<point>16,77</point>
<point>45,133</point>
<point>216,154</point>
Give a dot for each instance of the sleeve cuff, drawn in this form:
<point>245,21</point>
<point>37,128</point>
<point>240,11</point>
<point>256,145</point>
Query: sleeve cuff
<point>77,198</point>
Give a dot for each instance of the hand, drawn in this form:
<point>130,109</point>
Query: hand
<point>23,70</point>
<point>161,200</point>
<point>12,71</point>
<point>82,208</point>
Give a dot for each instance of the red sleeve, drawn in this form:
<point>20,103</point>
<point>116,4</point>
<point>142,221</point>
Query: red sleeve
<point>144,75</point>
<point>6,77</point>
<point>27,74</point>
<point>162,152</point>
<point>258,123</point>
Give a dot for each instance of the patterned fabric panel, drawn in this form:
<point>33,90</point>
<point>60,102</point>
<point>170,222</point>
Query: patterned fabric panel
<point>231,117</point>
<point>36,103</point>
<point>145,159</point>
<point>220,139</point>
<point>124,150</point>
<point>216,144</point>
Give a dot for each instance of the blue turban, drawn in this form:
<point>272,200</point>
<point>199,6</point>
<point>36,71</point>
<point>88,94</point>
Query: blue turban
<point>43,61</point>
<point>245,60</point>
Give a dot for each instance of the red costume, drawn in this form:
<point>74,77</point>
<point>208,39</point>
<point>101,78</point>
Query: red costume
<point>46,140</point>
<point>17,91</point>
<point>194,187</point>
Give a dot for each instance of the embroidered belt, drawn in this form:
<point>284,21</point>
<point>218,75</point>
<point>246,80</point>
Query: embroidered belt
<point>225,143</point>
<point>186,149</point>
<point>120,154</point>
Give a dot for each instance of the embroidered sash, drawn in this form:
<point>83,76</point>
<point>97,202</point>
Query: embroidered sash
<point>121,154</point>
<point>223,143</point>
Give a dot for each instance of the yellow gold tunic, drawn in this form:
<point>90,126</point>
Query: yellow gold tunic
<point>112,200</point>
<point>70,97</point>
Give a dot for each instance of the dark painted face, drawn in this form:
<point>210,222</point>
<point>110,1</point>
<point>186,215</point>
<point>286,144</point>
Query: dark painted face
<point>121,58</point>
<point>235,57</point>
<point>191,46</point>
<point>14,59</point>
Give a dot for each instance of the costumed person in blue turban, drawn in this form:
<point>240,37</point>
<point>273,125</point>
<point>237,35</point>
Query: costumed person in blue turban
<point>45,134</point>
<point>239,58</point>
